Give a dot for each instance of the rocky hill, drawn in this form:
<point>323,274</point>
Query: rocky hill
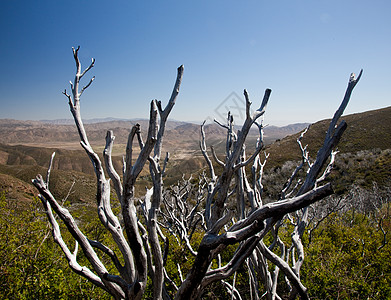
<point>366,131</point>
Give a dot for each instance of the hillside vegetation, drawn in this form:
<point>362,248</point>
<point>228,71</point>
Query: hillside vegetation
<point>366,131</point>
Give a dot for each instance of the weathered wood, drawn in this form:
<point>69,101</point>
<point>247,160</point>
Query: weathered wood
<point>145,249</point>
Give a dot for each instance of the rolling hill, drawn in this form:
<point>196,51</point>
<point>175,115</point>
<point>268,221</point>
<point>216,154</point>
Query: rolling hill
<point>366,131</point>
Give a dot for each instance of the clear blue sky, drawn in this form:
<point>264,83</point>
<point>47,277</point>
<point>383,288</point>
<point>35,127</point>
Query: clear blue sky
<point>303,50</point>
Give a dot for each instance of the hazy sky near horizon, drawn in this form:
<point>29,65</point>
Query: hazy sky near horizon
<point>304,50</point>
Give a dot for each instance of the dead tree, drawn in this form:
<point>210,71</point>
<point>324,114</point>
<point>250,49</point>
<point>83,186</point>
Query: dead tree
<point>244,224</point>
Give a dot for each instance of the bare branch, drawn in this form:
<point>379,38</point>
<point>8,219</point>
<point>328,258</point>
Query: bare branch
<point>384,242</point>
<point>220,223</point>
<point>216,158</point>
<point>148,147</point>
<point>69,97</point>
<point>129,151</point>
<point>165,113</point>
<point>89,67</point>
<point>83,271</point>
<point>248,104</point>
<point>352,83</point>
<point>251,159</point>
<point>287,270</point>
<point>205,154</point>
<point>109,252</point>
<point>165,163</point>
<point>85,87</point>
<point>65,216</point>
<point>221,124</point>
<point>50,168</point>
<point>286,206</point>
<point>109,164</point>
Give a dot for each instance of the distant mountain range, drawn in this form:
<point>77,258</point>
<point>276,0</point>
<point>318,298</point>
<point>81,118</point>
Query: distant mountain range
<point>49,133</point>
<point>70,121</point>
<point>367,130</point>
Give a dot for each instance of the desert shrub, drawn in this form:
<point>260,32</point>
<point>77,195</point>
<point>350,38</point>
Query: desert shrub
<point>346,259</point>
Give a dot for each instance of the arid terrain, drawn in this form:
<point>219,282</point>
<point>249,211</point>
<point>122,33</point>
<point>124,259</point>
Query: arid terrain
<point>63,134</point>
<point>26,146</point>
